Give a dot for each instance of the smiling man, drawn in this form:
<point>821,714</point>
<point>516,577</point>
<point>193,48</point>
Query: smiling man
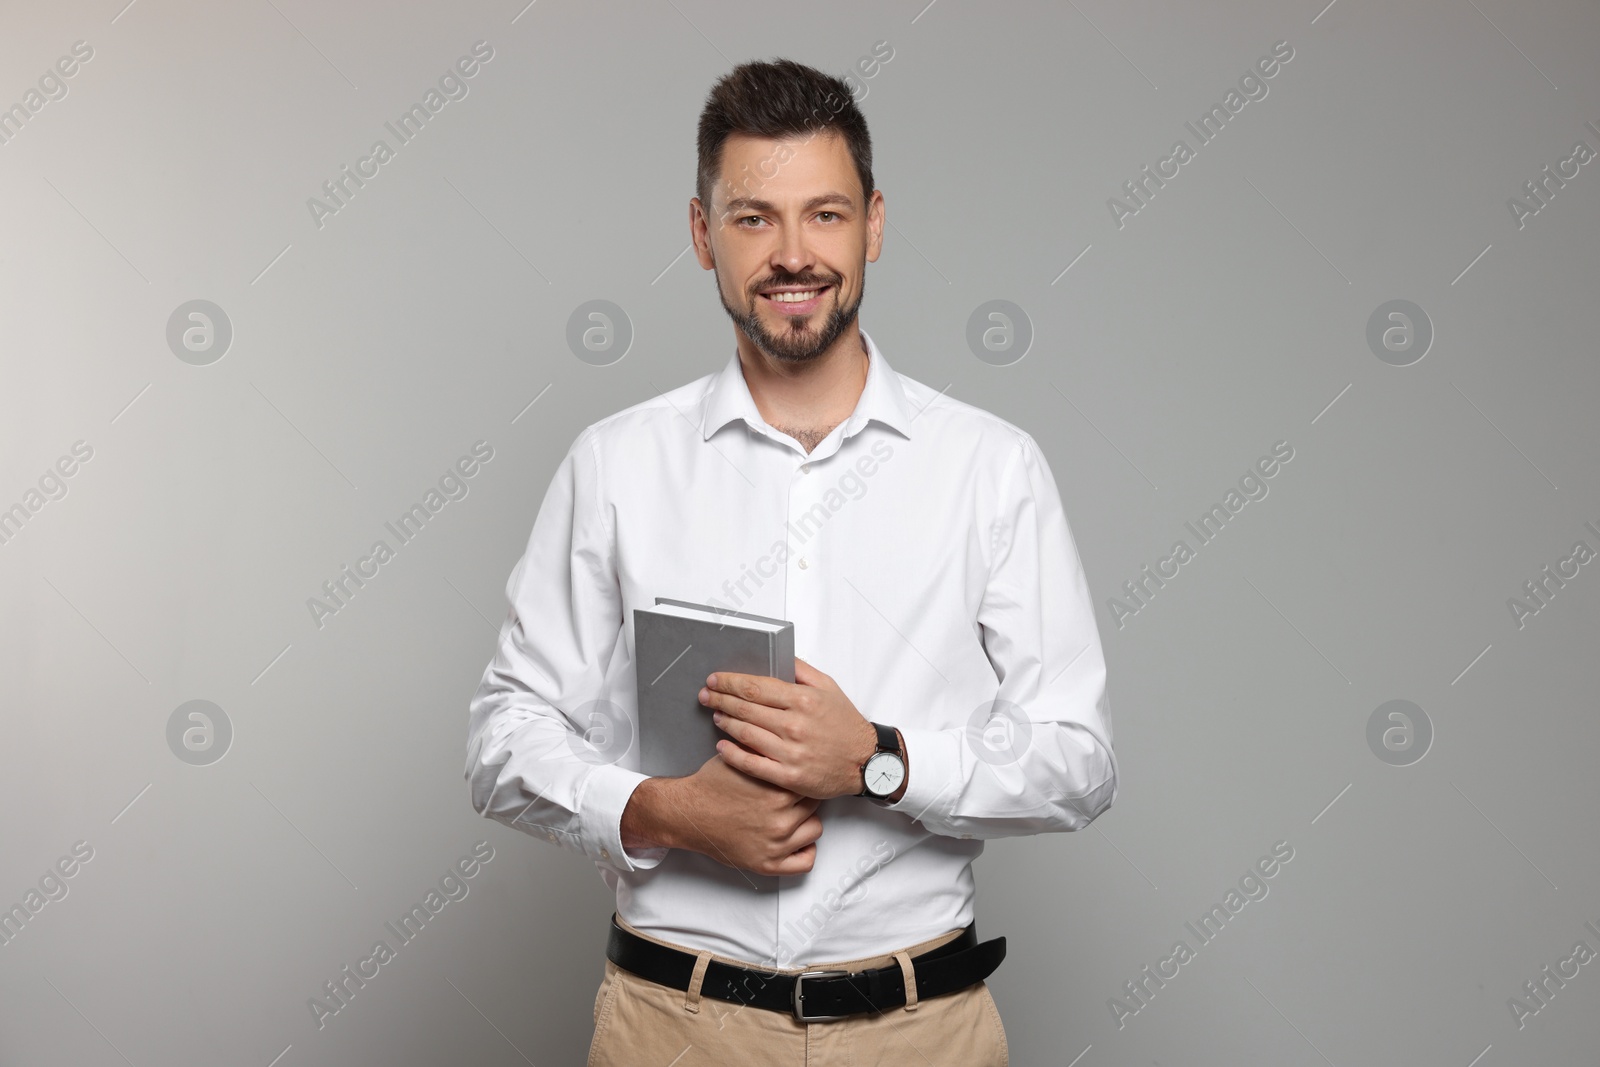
<point>806,896</point>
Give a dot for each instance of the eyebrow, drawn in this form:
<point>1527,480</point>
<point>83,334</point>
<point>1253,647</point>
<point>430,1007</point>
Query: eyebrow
<point>743,203</point>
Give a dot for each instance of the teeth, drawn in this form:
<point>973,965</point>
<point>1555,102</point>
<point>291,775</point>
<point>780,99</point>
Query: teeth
<point>794,298</point>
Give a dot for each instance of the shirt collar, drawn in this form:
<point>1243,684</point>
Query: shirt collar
<point>882,398</point>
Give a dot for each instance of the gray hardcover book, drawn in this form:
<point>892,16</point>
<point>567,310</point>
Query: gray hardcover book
<point>678,643</point>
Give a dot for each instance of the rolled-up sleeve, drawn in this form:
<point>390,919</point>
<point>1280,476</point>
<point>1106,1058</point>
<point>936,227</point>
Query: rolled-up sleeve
<point>529,762</point>
<point>1040,759</point>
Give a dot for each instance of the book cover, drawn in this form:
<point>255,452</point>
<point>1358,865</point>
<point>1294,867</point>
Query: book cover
<point>676,644</point>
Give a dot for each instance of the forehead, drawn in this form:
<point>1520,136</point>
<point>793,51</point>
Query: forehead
<point>785,168</point>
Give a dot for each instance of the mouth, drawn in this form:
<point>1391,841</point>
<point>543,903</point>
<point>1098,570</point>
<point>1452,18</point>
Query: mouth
<point>789,301</point>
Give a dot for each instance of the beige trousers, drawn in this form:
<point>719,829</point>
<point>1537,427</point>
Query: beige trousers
<point>638,1023</point>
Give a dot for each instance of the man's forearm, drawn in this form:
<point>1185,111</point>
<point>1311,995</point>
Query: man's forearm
<point>648,819</point>
<point>657,813</point>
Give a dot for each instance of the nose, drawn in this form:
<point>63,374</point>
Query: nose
<point>792,253</point>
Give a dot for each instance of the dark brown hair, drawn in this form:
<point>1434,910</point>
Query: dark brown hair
<point>778,99</point>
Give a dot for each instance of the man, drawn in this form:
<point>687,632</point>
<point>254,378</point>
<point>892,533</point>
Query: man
<point>919,546</point>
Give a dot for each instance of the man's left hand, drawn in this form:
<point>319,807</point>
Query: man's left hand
<point>805,736</point>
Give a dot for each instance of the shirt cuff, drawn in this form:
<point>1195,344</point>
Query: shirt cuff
<point>933,773</point>
<point>605,795</point>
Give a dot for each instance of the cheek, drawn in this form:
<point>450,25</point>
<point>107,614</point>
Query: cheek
<point>734,291</point>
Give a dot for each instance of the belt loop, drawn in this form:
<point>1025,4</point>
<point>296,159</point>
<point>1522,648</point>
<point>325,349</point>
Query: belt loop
<point>691,996</point>
<point>911,978</point>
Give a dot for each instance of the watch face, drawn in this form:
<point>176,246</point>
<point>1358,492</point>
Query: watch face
<point>884,774</point>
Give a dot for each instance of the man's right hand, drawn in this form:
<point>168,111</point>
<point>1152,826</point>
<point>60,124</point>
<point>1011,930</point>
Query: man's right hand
<point>736,819</point>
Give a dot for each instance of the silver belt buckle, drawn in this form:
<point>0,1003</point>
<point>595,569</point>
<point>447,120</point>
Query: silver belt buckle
<point>799,997</point>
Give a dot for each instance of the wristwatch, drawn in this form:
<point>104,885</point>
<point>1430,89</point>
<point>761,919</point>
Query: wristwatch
<point>885,770</point>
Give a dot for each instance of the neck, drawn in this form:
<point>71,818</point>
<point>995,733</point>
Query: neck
<point>807,400</point>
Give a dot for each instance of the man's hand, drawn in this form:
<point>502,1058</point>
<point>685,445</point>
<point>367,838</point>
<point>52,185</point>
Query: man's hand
<point>737,820</point>
<point>806,737</point>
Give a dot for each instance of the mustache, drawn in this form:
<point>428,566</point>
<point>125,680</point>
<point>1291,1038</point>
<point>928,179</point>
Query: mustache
<point>773,283</point>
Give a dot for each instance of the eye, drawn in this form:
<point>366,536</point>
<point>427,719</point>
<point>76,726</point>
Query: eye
<point>821,213</point>
<point>744,219</point>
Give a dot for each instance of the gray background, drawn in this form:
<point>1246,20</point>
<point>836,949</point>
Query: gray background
<point>368,354</point>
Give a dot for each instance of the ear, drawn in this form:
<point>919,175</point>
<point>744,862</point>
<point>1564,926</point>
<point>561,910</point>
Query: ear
<point>700,234</point>
<point>875,220</point>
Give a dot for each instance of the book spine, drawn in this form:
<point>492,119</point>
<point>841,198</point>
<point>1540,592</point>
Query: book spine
<point>783,654</point>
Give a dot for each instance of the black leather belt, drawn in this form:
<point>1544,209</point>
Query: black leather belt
<point>816,995</point>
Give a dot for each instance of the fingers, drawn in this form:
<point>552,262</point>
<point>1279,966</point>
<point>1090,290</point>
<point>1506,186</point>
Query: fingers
<point>751,763</point>
<point>740,689</point>
<point>797,862</point>
<point>750,736</point>
<point>805,810</point>
<point>797,853</point>
<point>806,834</point>
<point>734,707</point>
<point>806,674</point>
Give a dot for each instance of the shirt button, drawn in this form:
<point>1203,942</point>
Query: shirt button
<point>605,853</point>
<point>805,468</point>
<point>803,563</point>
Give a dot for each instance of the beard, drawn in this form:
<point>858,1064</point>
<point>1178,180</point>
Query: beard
<point>797,340</point>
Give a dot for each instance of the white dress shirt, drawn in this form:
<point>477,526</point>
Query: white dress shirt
<point>921,552</point>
